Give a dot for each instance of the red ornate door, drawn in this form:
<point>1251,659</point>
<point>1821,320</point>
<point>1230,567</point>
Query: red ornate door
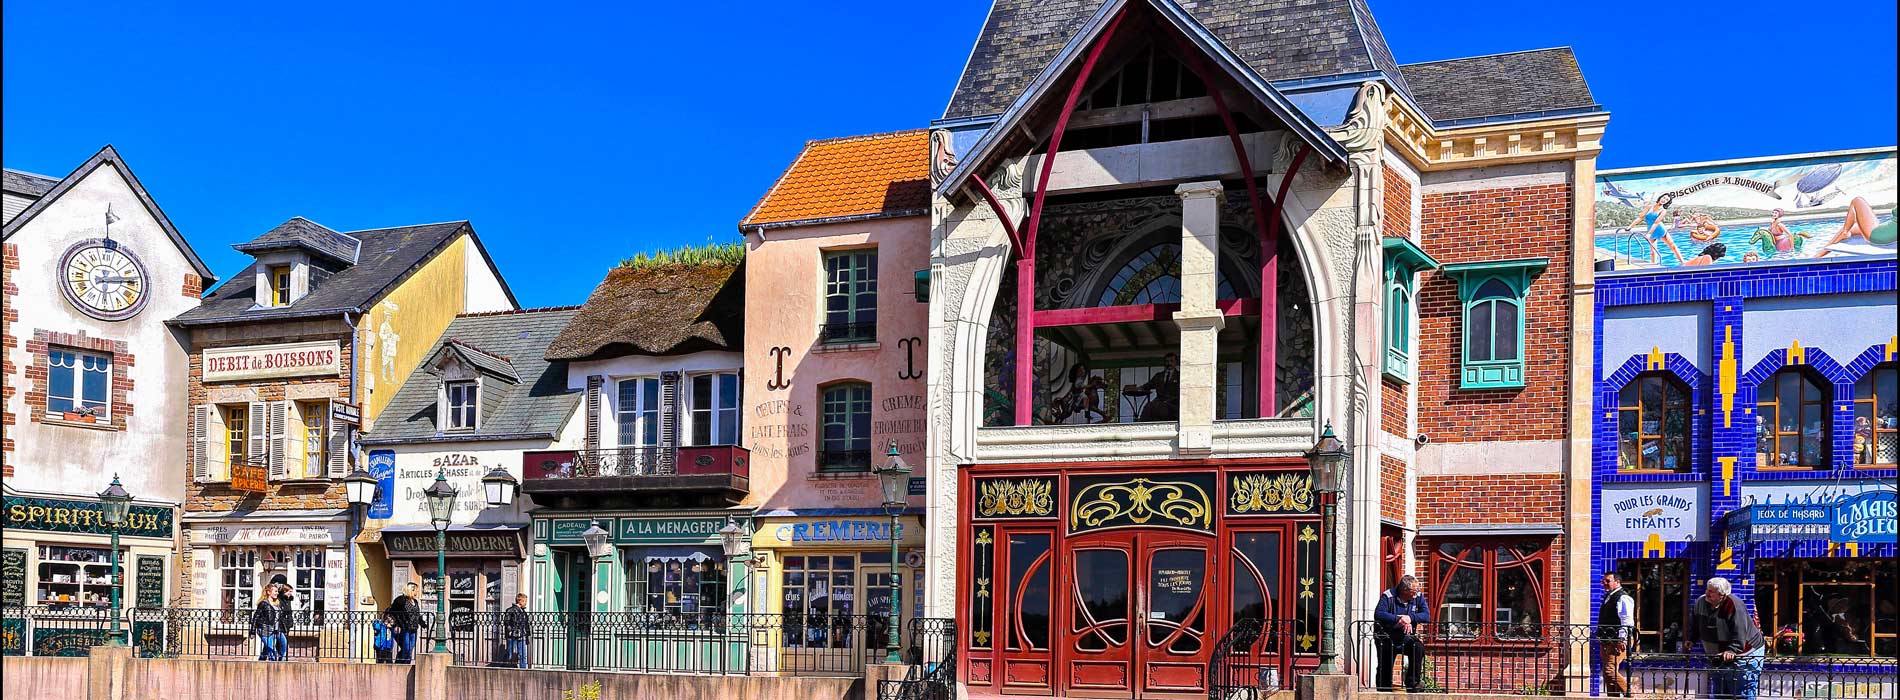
<point>1175,599</point>
<point>1138,614</point>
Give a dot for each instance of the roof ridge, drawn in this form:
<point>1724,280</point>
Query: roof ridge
<point>508,312</point>
<point>392,228</point>
<point>868,137</point>
<point>458,342</point>
<point>1565,47</point>
<point>30,173</point>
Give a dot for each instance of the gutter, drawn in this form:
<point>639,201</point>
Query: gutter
<point>354,529</point>
<point>901,213</point>
<point>287,316</point>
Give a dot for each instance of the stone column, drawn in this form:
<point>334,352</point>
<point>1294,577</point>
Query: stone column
<point>1199,319</point>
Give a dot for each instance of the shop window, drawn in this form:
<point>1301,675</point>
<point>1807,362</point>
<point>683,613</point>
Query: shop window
<point>1791,421</point>
<point>310,434</point>
<point>237,579</point>
<point>714,403</point>
<point>306,576</point>
<point>1832,606</point>
<point>473,587</point>
<point>279,285</point>
<point>1403,261</point>
<point>850,297</point>
<point>846,428</point>
<point>1652,426</point>
<point>463,397</point>
<point>1491,588</point>
<point>637,412</point>
<point>1029,608</point>
<point>78,383</point>
<point>819,586</point>
<point>1257,561</point>
<point>1877,417</point>
<point>676,582</point>
<point>74,577</point>
<point>1493,295</point>
<point>1661,590</point>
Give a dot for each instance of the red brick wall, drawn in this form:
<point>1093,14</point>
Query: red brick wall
<point>194,286</point>
<point>1392,488</point>
<point>1398,204</point>
<point>1392,403</point>
<point>9,261</point>
<point>1483,225</point>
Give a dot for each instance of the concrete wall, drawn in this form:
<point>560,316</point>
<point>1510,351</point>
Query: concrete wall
<point>44,677</point>
<point>466,682</point>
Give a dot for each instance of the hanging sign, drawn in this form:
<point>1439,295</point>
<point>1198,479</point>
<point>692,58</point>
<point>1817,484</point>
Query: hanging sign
<point>346,413</point>
<point>250,478</point>
<point>382,465</point>
<point>1865,518</point>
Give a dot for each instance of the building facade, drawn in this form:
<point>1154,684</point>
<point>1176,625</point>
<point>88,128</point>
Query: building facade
<point>1745,406</point>
<point>288,361</point>
<point>835,360</point>
<point>94,390</point>
<point>1166,252</point>
<point>481,399</point>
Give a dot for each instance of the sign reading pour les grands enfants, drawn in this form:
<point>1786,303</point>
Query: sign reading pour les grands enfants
<point>1670,513</point>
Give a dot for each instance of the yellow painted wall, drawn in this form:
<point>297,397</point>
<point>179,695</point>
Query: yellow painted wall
<point>409,319</point>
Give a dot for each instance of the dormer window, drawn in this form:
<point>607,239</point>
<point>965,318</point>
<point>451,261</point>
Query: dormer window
<point>279,277</point>
<point>462,398</point>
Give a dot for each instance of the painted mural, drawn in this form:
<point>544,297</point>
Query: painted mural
<point>1771,209</point>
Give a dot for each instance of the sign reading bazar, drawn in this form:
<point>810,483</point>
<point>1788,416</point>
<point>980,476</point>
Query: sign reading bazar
<point>84,517</point>
<point>321,357</point>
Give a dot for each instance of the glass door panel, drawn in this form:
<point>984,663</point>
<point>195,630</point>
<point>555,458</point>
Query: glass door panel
<point>1174,645</point>
<point>1101,618</point>
<point>1027,564</point>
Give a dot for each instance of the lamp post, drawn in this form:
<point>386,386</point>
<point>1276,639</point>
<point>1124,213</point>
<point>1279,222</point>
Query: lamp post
<point>359,486</point>
<point>895,476</point>
<point>1323,461</point>
<point>500,487</point>
<point>115,502</point>
<point>732,539</point>
<point>441,496</point>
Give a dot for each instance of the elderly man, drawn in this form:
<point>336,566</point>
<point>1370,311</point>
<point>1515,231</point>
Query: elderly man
<point>1400,612</point>
<point>1728,634</point>
<point>1616,623</point>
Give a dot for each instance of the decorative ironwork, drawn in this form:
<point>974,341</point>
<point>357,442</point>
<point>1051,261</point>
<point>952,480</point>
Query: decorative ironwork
<point>998,498</point>
<point>1271,493</point>
<point>1140,501</point>
<point>983,560</point>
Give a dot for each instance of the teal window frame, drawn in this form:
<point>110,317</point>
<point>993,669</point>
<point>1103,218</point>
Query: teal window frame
<point>1403,261</point>
<point>1482,288</point>
<point>846,406</point>
<point>850,311</point>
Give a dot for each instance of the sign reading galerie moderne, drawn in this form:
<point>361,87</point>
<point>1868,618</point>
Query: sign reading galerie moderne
<point>321,357</point>
<point>1671,513</point>
<point>83,517</point>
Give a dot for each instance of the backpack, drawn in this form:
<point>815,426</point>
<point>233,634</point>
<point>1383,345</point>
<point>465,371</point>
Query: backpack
<point>384,642</point>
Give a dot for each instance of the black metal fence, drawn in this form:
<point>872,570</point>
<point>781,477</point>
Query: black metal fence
<point>1254,659</point>
<point>200,633</point>
<point>1526,659</point>
<point>930,648</point>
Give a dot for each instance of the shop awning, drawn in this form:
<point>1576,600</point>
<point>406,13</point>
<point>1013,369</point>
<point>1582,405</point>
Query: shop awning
<point>1862,518</point>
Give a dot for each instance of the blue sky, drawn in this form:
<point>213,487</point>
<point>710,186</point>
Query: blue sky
<point>573,136</point>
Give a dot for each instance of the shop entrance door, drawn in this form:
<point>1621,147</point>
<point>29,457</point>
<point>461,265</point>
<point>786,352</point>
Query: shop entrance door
<point>1138,619</point>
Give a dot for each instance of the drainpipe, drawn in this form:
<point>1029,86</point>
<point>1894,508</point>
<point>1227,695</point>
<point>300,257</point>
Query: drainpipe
<point>349,517</point>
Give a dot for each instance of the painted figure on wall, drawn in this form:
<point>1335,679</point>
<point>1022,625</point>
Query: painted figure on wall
<point>1786,208</point>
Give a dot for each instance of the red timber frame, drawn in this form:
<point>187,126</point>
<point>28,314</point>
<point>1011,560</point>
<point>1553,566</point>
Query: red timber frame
<point>1039,614</point>
<point>1023,240</point>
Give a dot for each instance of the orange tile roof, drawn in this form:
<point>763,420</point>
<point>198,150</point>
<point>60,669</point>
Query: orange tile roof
<point>885,174</point>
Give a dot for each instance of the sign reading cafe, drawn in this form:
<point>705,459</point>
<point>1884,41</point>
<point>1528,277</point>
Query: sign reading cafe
<point>321,357</point>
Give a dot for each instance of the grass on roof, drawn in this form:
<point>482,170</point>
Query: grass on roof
<point>708,254</point>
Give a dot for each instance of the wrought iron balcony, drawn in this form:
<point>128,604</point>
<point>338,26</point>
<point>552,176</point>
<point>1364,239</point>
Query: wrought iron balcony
<point>843,333</point>
<point>844,460</point>
<point>716,469</point>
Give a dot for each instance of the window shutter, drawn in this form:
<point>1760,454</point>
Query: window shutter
<point>593,411</point>
<point>669,418</point>
<point>337,450</point>
<point>257,432</point>
<point>200,443</point>
<point>279,425</point>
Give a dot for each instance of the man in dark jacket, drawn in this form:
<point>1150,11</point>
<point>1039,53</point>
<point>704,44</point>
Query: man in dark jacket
<point>1727,632</point>
<point>405,619</point>
<point>514,628</point>
<point>1616,627</point>
<point>1395,623</point>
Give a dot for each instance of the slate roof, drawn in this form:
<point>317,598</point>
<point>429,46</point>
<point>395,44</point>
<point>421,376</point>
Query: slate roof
<point>388,255</point>
<point>309,235</point>
<point>538,404</point>
<point>1278,39</point>
<point>1523,82</point>
<point>855,176</point>
<point>29,184</point>
<point>658,310</point>
<point>484,360</point>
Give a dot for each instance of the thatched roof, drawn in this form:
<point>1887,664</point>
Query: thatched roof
<point>658,310</point>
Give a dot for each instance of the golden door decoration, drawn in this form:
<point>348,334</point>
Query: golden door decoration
<point>1139,501</point>
<point>997,498</point>
<point>1270,493</point>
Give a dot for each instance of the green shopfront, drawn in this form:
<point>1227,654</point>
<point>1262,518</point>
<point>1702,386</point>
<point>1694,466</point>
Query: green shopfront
<point>56,562</point>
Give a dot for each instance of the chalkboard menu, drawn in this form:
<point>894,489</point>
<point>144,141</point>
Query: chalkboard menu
<point>151,582</point>
<point>13,578</point>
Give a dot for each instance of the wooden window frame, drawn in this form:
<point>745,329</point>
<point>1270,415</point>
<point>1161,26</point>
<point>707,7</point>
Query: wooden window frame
<point>1867,395</point>
<point>236,421</point>
<point>1487,630</point>
<point>76,389</point>
<point>1477,294</point>
<point>1630,401</point>
<point>279,278</point>
<point>850,278</point>
<point>1768,408</point>
<point>456,413</point>
<point>842,394</point>
<point>713,412</point>
<point>1631,572</point>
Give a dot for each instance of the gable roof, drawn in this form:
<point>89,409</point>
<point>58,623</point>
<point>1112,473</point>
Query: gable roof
<point>105,156</point>
<point>388,256</point>
<point>1275,39</point>
<point>1005,131</point>
<point>25,183</point>
<point>497,365</point>
<point>536,405</point>
<point>658,310</point>
<point>855,177</point>
<point>308,235</point>
<point>1499,85</point>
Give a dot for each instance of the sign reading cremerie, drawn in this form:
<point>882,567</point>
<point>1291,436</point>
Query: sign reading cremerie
<point>321,357</point>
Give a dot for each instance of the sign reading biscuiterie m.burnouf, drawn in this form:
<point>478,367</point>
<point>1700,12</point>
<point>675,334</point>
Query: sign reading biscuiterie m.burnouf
<point>319,357</point>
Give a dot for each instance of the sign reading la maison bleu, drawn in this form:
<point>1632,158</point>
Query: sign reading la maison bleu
<point>1867,518</point>
<point>318,357</point>
<point>84,517</point>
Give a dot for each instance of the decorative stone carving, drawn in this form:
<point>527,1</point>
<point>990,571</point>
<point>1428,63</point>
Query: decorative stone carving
<point>1271,493</point>
<point>942,158</point>
<point>1365,122</point>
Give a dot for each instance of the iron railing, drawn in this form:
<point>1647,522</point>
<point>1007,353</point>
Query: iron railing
<point>1254,659</point>
<point>844,460</point>
<point>847,332</point>
<point>625,461</point>
<point>199,633</point>
<point>931,651</point>
<point>1556,659</point>
<point>707,643</point>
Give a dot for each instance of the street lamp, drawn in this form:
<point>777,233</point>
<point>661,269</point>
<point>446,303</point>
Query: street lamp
<point>1324,462</point>
<point>895,476</point>
<point>500,487</point>
<point>359,487</point>
<point>441,497</point>
<point>596,538</point>
<point>116,502</point>
<point>733,540</point>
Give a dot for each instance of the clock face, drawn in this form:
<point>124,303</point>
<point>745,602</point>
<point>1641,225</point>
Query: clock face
<point>103,279</point>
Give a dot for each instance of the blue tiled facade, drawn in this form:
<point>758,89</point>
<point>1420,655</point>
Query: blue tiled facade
<point>1722,396</point>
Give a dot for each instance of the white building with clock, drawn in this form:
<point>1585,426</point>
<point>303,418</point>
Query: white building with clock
<point>95,383</point>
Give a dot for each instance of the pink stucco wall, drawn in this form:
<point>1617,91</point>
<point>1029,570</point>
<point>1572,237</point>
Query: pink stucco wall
<point>784,309</point>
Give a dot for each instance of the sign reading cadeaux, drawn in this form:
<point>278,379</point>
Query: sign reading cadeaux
<point>320,357</point>
<point>1669,512</point>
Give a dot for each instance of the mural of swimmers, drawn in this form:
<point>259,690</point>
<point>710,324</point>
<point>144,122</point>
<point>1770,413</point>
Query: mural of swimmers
<point>1816,205</point>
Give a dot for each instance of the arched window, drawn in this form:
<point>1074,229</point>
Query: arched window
<point>1494,326</point>
<point>1154,277</point>
<point>1494,295</point>
<point>1652,427</point>
<point>1877,417</point>
<point>1791,421</point>
<point>1495,589</point>
<point>1399,318</point>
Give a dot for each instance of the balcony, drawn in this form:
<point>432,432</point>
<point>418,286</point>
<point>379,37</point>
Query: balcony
<point>719,472</point>
<point>847,333</point>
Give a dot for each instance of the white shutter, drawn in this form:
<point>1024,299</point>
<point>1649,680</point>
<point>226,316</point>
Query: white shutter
<point>200,443</point>
<point>279,425</point>
<point>337,451</point>
<point>257,432</point>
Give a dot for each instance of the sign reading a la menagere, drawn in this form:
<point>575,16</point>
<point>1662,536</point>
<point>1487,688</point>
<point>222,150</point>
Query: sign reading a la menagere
<point>314,358</point>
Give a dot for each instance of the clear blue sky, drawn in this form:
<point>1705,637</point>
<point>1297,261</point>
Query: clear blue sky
<point>573,136</point>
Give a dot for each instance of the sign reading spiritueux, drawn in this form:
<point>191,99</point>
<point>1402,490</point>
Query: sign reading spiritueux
<point>83,517</point>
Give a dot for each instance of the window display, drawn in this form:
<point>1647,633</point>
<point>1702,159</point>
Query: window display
<point>75,576</point>
<point>1843,607</point>
<point>681,581</point>
<point>1662,594</point>
<point>1491,588</point>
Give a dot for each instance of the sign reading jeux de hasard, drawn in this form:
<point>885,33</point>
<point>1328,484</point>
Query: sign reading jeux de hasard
<point>320,357</point>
